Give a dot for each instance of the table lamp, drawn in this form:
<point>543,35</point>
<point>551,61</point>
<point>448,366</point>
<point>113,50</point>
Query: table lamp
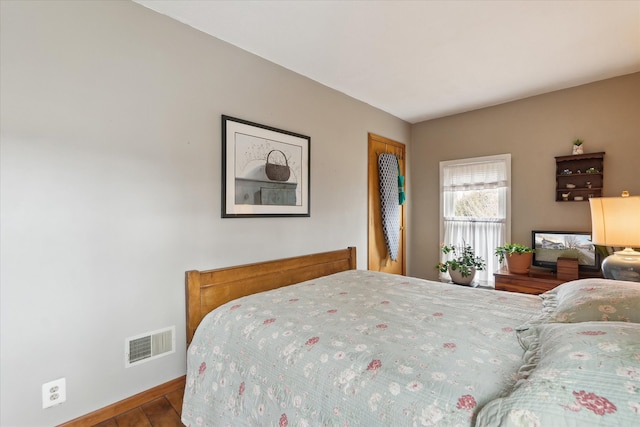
<point>615,221</point>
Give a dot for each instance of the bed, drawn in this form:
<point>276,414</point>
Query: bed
<point>312,341</point>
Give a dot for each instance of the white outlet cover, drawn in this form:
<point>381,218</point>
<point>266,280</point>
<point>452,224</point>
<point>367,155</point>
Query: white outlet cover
<point>54,392</point>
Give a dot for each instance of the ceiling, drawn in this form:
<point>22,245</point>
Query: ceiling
<point>420,60</point>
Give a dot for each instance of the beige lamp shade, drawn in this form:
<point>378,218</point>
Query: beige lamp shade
<point>615,221</point>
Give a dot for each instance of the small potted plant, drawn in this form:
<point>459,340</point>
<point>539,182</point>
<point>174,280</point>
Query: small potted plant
<point>518,257</point>
<point>577,146</point>
<point>462,268</point>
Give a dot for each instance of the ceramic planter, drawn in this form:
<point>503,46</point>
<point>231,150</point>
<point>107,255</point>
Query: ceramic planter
<point>456,277</point>
<point>519,263</point>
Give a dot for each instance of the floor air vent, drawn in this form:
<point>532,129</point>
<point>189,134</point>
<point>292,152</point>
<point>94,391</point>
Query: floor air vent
<point>151,345</point>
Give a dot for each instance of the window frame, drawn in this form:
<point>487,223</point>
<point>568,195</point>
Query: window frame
<point>506,158</point>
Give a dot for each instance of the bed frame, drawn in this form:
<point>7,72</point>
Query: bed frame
<point>207,290</point>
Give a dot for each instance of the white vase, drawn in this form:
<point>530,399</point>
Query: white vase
<point>456,277</point>
<point>577,149</point>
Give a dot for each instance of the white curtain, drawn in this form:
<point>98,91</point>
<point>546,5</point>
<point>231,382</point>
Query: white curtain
<point>483,233</point>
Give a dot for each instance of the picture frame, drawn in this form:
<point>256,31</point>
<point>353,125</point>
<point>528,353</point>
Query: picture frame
<point>265,171</point>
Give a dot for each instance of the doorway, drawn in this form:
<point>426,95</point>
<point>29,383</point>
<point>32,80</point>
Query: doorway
<point>377,255</point>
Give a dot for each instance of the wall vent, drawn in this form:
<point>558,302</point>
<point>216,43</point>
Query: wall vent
<point>148,346</point>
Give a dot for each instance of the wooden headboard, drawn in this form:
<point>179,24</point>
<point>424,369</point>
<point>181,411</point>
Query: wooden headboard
<point>207,290</point>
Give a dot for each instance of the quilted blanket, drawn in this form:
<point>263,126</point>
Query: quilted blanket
<point>355,348</point>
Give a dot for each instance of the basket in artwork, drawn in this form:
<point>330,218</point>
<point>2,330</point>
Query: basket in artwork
<point>275,171</point>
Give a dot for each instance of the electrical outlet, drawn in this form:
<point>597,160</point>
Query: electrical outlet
<point>54,392</point>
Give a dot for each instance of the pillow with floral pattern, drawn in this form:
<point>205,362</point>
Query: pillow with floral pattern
<point>588,300</point>
<point>578,374</point>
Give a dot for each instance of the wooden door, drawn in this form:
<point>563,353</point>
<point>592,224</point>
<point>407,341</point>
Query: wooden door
<point>378,258</point>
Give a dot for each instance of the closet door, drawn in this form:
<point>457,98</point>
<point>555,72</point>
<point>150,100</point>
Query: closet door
<point>378,257</point>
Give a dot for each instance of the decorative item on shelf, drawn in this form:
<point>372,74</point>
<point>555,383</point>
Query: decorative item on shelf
<point>615,221</point>
<point>577,146</point>
<point>462,268</point>
<point>578,198</point>
<point>566,172</point>
<point>592,170</point>
<point>571,185</point>
<point>565,196</point>
<point>588,183</point>
<point>518,257</point>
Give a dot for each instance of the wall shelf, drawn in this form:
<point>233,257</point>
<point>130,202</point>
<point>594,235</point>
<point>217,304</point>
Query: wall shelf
<point>572,171</point>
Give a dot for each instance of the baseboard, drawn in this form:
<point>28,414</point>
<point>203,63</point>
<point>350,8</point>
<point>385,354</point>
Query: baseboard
<point>127,404</point>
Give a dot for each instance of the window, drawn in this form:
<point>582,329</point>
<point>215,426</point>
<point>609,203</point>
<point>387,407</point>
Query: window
<point>475,207</point>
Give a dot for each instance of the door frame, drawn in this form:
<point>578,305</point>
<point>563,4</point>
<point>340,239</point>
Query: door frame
<point>373,198</point>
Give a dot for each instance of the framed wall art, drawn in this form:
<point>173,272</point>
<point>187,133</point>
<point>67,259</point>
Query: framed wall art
<point>265,171</point>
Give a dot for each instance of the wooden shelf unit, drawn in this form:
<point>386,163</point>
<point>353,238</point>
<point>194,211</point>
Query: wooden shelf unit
<point>578,165</point>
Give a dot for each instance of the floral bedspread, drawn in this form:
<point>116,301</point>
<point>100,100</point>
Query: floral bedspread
<point>357,348</point>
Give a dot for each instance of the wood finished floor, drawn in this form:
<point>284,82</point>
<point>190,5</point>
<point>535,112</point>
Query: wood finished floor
<point>164,411</point>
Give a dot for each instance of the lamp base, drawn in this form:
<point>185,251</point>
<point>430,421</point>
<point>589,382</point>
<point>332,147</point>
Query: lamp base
<point>622,265</point>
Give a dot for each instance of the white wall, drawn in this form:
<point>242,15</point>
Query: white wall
<point>110,164</point>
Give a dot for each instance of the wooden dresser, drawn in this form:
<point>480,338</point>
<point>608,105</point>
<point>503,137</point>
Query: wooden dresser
<point>532,283</point>
<point>538,281</point>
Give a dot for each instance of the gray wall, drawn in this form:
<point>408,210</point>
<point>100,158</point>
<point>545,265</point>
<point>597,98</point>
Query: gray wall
<point>606,115</point>
<point>111,188</point>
